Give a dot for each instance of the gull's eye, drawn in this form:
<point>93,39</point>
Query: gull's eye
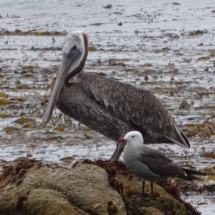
<point>132,136</point>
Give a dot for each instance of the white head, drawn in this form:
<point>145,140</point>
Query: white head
<point>74,46</point>
<point>74,55</point>
<point>133,138</point>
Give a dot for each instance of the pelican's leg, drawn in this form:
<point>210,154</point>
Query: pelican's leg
<point>151,183</point>
<point>143,186</point>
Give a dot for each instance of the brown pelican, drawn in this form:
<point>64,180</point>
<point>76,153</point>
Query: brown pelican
<point>151,164</point>
<point>107,106</point>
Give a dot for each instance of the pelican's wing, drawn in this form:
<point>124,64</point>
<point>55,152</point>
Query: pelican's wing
<point>138,108</point>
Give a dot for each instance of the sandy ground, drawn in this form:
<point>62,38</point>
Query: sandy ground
<point>166,47</point>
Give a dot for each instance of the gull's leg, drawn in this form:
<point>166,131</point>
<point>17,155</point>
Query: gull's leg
<point>143,195</point>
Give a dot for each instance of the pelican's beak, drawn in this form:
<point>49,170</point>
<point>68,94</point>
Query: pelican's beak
<point>119,149</point>
<point>67,63</point>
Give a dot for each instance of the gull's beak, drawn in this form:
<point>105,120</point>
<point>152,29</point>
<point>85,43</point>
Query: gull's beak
<point>67,63</point>
<point>119,149</point>
<point>122,140</point>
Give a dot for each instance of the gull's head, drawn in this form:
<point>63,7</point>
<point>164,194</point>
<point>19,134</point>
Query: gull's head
<point>132,137</point>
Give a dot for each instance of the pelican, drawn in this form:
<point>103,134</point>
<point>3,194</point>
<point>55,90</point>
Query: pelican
<point>151,164</point>
<point>107,106</point>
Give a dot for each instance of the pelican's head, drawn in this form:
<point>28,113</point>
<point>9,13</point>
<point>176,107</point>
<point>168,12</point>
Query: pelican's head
<point>74,50</point>
<point>74,55</point>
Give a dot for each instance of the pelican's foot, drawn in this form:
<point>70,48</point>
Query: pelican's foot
<point>145,197</point>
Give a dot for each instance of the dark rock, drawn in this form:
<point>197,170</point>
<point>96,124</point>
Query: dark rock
<point>176,3</point>
<point>172,36</point>
<point>109,6</point>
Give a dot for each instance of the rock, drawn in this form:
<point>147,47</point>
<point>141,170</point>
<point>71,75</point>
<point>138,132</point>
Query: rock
<point>63,33</point>
<point>34,188</point>
<point>211,182</point>
<point>146,78</point>
<point>120,24</point>
<point>49,202</point>
<point>172,36</point>
<point>198,32</point>
<point>176,3</point>
<point>91,187</point>
<point>162,203</point>
<point>184,105</point>
<point>151,211</point>
<point>109,6</point>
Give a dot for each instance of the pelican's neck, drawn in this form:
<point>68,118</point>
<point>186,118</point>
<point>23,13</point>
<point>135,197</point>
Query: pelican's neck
<point>81,64</point>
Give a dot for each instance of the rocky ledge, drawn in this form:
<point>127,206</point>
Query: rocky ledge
<point>89,187</point>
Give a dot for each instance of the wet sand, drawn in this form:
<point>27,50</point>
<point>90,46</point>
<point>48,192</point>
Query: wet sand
<point>166,47</point>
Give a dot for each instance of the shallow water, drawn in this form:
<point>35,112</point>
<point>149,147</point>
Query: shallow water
<point>157,47</point>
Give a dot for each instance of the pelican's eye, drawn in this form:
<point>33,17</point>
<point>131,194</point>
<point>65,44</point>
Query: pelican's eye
<point>72,50</point>
<point>74,47</point>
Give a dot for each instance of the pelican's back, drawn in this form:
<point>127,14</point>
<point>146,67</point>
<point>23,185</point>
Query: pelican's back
<point>139,109</point>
